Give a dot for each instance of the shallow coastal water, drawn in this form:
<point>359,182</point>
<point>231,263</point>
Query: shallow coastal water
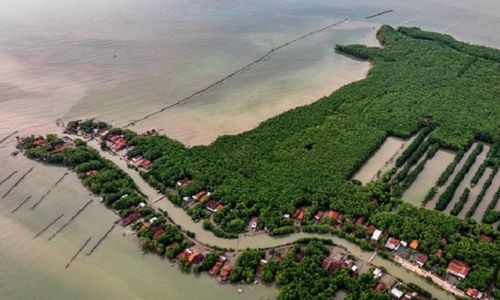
<point>119,60</point>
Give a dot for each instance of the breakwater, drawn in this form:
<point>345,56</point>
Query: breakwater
<point>235,73</point>
<point>49,191</point>
<point>70,220</point>
<point>17,182</point>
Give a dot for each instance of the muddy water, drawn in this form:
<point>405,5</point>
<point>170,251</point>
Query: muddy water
<point>488,197</point>
<point>415,194</point>
<point>121,59</point>
<point>466,183</point>
<point>432,203</point>
<point>35,267</point>
<point>382,160</point>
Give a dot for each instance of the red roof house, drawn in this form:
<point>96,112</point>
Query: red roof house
<point>474,294</point>
<point>380,287</point>
<point>421,260</point>
<point>224,273</point>
<point>90,173</point>
<point>458,268</point>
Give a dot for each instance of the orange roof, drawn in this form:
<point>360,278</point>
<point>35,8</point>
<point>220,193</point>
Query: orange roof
<point>414,244</point>
<point>224,273</point>
<point>298,214</point>
<point>457,267</point>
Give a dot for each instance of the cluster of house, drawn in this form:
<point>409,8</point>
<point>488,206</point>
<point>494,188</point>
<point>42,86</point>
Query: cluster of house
<point>299,214</point>
<point>42,142</point>
<point>140,163</point>
<point>203,197</point>
<point>456,268</point>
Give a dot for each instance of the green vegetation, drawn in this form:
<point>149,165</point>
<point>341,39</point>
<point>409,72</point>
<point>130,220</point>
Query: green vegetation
<point>110,182</point>
<point>305,279</point>
<point>481,195</point>
<point>457,208</point>
<point>245,267</point>
<point>412,147</point>
<point>430,194</point>
<point>447,195</point>
<point>491,215</point>
<point>479,173</point>
<point>306,157</point>
<point>451,168</point>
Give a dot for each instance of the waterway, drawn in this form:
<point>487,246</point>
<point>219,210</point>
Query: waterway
<point>120,59</point>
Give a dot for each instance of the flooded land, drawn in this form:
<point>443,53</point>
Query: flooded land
<point>434,167</point>
<point>432,203</point>
<point>488,197</point>
<point>122,60</point>
<point>382,160</point>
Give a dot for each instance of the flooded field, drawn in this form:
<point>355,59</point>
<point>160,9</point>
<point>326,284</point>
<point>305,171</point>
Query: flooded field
<point>382,160</point>
<point>428,177</point>
<point>432,203</point>
<point>466,183</point>
<point>488,197</point>
<point>124,59</point>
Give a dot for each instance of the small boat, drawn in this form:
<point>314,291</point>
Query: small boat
<point>240,291</point>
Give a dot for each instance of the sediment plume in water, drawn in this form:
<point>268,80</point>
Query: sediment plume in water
<point>21,204</point>
<point>77,252</point>
<point>379,14</point>
<point>8,177</point>
<point>17,183</point>
<point>101,240</point>
<point>70,220</point>
<point>7,137</point>
<point>235,73</point>
<point>48,226</point>
<point>49,191</point>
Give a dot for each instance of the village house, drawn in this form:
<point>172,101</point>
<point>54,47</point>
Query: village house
<point>377,273</point>
<point>253,223</point>
<point>199,195</point>
<point>414,244</point>
<point>474,294</point>
<point>224,273</point>
<point>485,238</point>
<point>260,267</point>
<point>421,260</point>
<point>217,266</point>
<point>90,173</point>
<point>191,256</point>
<point>392,244</point>
<point>145,164</point>
<point>396,293</point>
<point>318,216</point>
<point>136,160</point>
<point>335,215</point>
<point>183,182</point>
<point>58,148</point>
<point>130,219</point>
<point>458,269</point>
<point>380,287</point>
<point>214,206</point>
<point>298,216</point>
<point>376,235</point>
